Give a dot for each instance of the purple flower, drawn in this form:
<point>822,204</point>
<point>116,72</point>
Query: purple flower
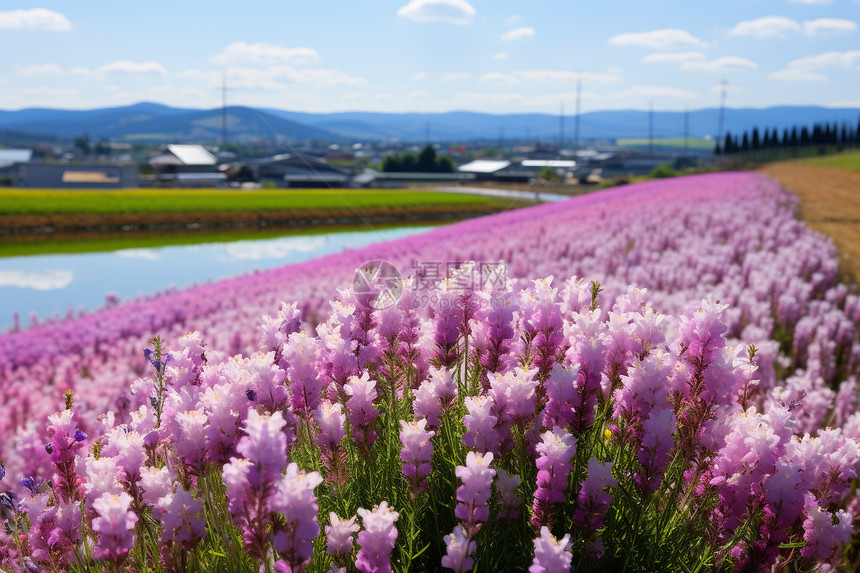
<point>481,433</point>
<point>114,525</point>
<point>555,451</point>
<point>551,555</point>
<point>509,500</point>
<point>31,484</point>
<point>416,453</point>
<point>2,471</point>
<point>824,538</point>
<point>296,501</point>
<point>593,500</point>
<point>459,551</point>
<point>362,392</point>
<point>376,539</point>
<point>340,537</point>
<point>477,478</point>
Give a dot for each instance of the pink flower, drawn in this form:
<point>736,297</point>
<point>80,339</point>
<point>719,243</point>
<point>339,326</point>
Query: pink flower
<point>477,478</point>
<point>481,433</point>
<point>296,501</point>
<point>265,445</point>
<point>824,539</point>
<point>593,500</point>
<point>509,500</point>
<point>459,551</point>
<point>416,453</point>
<point>555,451</point>
<point>376,539</point>
<point>551,555</point>
<point>362,392</point>
<point>114,525</point>
<point>339,536</point>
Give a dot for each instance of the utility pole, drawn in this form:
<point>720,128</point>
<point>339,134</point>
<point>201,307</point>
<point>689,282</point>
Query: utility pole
<point>720,133</point>
<point>686,129</point>
<point>651,129</point>
<point>561,129</point>
<point>224,110</point>
<point>576,117</point>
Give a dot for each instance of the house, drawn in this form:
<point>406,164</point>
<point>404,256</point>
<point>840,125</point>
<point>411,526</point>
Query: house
<point>187,166</point>
<point>300,170</point>
<point>484,169</point>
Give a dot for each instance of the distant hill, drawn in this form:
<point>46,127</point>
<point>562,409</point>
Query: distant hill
<point>614,124</point>
<point>150,122</point>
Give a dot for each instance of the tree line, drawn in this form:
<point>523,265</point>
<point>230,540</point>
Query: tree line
<point>821,135</point>
<point>425,162</point>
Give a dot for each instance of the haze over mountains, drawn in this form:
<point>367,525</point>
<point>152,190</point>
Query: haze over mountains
<point>156,123</point>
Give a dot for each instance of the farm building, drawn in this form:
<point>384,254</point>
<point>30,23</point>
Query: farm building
<point>300,170</point>
<point>78,175</point>
<point>187,166</point>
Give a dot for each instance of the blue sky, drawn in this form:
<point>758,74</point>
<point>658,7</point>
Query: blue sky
<point>495,56</point>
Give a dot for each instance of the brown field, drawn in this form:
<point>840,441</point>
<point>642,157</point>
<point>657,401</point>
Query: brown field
<point>829,203</point>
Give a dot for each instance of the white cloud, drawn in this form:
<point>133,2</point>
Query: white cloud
<point>499,78</point>
<point>807,69</point>
<point>266,250</point>
<point>513,19</point>
<point>724,64</point>
<point>39,280</point>
<point>261,53</point>
<point>845,104</point>
<point>673,57</point>
<point>450,11</point>
<point>419,76</point>
<point>43,70</point>
<point>767,27</point>
<point>277,78</point>
<point>828,27</point>
<point>729,89</point>
<point>663,92</point>
<point>566,76</point>
<point>453,77</point>
<point>147,254</point>
<point>518,33</point>
<point>811,1</point>
<point>548,76</point>
<point>34,19</point>
<point>500,56</point>
<point>130,67</point>
<point>665,39</point>
<point>419,94</point>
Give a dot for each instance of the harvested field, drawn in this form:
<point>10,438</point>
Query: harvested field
<point>829,203</point>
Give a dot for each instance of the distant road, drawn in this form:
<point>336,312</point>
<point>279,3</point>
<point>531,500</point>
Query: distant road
<point>536,195</point>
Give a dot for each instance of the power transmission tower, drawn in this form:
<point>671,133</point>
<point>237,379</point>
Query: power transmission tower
<point>224,110</point>
<point>722,111</point>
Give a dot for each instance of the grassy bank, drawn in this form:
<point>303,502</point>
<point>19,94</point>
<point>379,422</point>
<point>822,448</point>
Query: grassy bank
<point>53,201</point>
<point>846,160</point>
<point>105,242</point>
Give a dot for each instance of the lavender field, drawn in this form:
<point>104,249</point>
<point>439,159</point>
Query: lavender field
<point>660,376</point>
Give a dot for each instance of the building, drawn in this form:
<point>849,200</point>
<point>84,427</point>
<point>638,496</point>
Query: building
<point>11,162</point>
<point>484,169</point>
<point>187,166</point>
<point>300,170</point>
<point>78,175</point>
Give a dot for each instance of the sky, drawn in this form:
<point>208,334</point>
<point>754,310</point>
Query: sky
<point>496,56</point>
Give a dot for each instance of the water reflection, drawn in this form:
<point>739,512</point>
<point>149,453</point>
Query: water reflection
<point>54,285</point>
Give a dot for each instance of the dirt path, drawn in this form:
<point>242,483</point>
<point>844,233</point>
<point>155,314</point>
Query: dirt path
<point>830,204</point>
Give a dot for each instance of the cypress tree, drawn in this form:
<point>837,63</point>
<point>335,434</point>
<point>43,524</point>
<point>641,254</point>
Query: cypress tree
<point>756,144</point>
<point>745,142</point>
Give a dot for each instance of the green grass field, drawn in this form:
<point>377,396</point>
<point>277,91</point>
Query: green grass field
<point>846,160</point>
<point>53,201</point>
<point>673,142</point>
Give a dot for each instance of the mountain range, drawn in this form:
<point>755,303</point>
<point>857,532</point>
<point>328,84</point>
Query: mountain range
<point>156,123</point>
